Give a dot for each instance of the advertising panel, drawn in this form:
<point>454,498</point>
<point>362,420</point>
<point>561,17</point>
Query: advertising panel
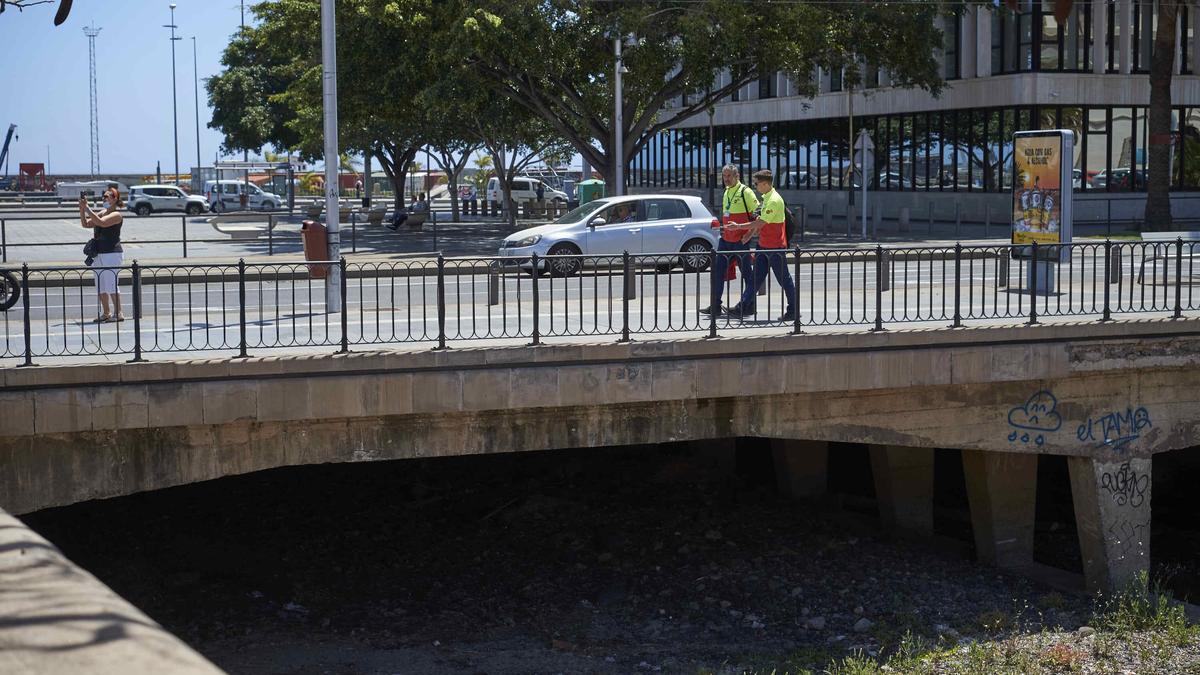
<point>1041,206</point>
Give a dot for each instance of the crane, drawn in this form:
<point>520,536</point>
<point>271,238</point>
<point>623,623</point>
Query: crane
<point>12,129</point>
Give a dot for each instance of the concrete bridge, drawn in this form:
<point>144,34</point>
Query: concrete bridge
<point>1108,396</point>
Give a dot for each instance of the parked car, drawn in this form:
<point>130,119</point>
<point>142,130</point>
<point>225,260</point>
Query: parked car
<point>227,194</point>
<point>655,224</point>
<point>146,199</point>
<point>1120,179</point>
<point>524,189</point>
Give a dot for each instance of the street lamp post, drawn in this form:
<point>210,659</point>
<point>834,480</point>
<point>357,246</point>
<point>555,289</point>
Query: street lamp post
<point>196,85</point>
<point>174,111</point>
<point>618,122</point>
<point>333,298</point>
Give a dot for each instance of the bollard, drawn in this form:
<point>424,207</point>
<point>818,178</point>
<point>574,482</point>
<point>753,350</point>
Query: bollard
<point>493,284</point>
<point>1002,268</point>
<point>1114,263</point>
<point>886,269</point>
<point>904,217</point>
<point>851,217</point>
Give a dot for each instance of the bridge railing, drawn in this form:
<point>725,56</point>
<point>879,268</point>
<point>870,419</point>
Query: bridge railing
<point>241,308</point>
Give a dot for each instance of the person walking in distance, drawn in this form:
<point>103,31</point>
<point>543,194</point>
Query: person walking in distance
<point>107,246</point>
<point>738,204</point>
<point>771,228</point>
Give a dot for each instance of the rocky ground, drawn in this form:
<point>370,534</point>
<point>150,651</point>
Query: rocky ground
<point>622,561</point>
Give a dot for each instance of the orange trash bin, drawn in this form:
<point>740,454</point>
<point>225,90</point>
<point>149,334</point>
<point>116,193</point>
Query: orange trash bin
<point>316,247</point>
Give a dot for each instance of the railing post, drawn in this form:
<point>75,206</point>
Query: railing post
<point>354,232</point>
<point>878,289</point>
<point>493,284</point>
<point>345,307</point>
<point>627,287</point>
<point>796,300</point>
<point>183,221</point>
<point>957,286</point>
<point>441,301</point>
<point>433,214</point>
<point>1107,280</point>
<point>137,312</point>
<point>271,234</point>
<point>1033,269</point>
<point>25,315</point>
<point>1178,278</point>
<point>537,338</point>
<point>241,308</point>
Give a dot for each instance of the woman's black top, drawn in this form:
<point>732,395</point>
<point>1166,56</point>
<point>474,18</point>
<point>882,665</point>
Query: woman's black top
<point>108,239</point>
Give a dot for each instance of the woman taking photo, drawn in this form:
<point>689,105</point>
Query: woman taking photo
<point>107,237</point>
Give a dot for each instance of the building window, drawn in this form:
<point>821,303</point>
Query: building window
<point>835,80</point>
<point>951,38</point>
<point>766,86</point>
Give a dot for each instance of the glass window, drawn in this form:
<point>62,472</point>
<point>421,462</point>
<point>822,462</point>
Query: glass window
<point>664,209</point>
<point>1189,154</point>
<point>1072,118</point>
<point>1096,160</point>
<point>950,39</point>
<point>1122,148</point>
<point>1048,38</point>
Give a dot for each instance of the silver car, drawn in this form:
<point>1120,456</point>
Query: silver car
<point>637,224</point>
<point>147,199</point>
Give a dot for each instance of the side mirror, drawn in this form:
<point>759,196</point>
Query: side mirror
<point>596,222</point>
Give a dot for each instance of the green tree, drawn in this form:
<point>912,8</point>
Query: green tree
<point>1162,63</point>
<point>245,97</point>
<point>556,57</point>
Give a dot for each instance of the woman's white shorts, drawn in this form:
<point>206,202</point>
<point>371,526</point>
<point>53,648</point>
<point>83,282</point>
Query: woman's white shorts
<point>106,279</point>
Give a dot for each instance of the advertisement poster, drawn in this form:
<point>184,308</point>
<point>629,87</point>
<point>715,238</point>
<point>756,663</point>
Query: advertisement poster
<point>1037,189</point>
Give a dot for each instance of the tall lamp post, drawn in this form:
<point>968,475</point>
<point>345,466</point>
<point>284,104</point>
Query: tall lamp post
<point>196,85</point>
<point>333,298</point>
<point>618,122</point>
<point>174,111</point>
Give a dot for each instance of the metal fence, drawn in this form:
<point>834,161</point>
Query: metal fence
<point>251,308</point>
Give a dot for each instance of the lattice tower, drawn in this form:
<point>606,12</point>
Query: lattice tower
<point>91,32</point>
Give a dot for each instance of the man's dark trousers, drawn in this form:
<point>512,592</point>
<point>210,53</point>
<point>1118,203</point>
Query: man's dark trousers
<point>727,251</point>
<point>773,260</point>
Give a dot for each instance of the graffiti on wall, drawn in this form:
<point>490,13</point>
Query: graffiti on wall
<point>1116,429</point>
<point>1125,485</point>
<point>1033,420</point>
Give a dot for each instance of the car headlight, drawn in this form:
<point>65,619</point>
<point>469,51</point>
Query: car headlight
<point>529,241</point>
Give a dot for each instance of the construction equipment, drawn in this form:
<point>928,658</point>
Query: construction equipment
<point>12,129</point>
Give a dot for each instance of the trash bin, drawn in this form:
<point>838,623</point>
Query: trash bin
<point>589,190</point>
<point>316,247</point>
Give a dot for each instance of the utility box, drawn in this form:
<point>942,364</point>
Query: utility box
<point>590,190</point>
<point>316,247</point>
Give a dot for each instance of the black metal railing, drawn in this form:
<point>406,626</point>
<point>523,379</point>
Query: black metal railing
<point>242,308</point>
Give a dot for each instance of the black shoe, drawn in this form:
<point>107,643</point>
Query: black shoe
<point>736,312</point>
<point>709,309</point>
<point>789,315</point>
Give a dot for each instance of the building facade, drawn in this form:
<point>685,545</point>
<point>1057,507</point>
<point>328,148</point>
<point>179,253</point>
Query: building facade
<point>1005,72</point>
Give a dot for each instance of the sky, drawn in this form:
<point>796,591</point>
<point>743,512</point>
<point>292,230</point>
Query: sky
<point>44,83</point>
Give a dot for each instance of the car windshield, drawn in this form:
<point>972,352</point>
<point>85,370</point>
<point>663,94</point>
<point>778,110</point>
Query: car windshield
<point>578,213</point>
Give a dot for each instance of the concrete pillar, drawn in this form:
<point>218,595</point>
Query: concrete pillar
<point>983,42</point>
<point>904,487</point>
<point>1099,36</point>
<point>801,467</point>
<point>1002,492</point>
<point>1124,21</point>
<point>1112,515</point>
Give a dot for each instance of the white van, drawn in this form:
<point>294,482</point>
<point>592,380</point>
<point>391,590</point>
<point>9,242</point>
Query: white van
<point>524,189</point>
<point>227,194</point>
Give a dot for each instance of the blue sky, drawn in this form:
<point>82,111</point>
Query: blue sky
<point>44,82</point>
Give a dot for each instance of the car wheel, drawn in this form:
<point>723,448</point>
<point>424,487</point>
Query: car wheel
<point>193,209</point>
<point>142,209</point>
<point>10,290</point>
<point>564,267</point>
<point>217,207</point>
<point>696,262</point>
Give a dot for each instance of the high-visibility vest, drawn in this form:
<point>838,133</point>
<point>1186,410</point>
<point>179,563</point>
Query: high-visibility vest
<point>738,203</point>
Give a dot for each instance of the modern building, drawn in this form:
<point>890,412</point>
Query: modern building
<point>1004,72</point>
